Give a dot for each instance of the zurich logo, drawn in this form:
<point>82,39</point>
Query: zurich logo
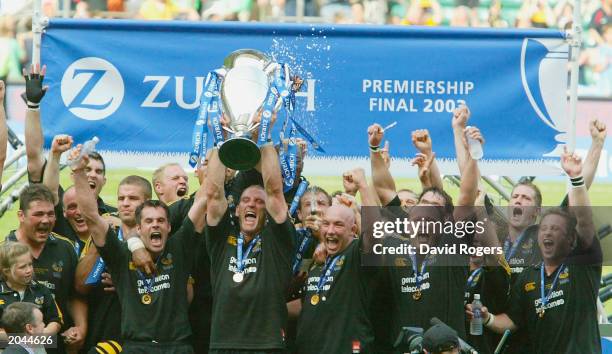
<point>92,88</point>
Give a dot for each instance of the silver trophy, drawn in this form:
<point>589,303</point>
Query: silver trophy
<point>247,75</point>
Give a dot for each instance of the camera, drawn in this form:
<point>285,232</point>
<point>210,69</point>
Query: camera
<point>410,340</point>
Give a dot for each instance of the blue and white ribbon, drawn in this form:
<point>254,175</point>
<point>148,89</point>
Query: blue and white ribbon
<point>209,105</point>
<point>95,275</point>
<point>296,198</point>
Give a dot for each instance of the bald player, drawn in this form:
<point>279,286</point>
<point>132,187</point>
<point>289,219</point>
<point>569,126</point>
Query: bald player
<point>338,292</point>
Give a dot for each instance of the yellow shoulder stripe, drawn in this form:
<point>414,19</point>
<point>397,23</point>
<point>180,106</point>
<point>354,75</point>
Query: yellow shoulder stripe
<point>59,312</point>
<point>181,198</point>
<point>60,237</point>
<point>501,260</point>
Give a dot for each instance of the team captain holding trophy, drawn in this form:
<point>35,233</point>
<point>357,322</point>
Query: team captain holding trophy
<point>250,259</point>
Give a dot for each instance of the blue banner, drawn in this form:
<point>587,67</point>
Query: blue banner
<point>137,85</point>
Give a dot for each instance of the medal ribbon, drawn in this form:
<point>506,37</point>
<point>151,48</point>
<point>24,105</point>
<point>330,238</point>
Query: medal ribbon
<point>544,298</point>
<point>509,252</point>
<point>278,88</point>
<point>288,159</point>
<point>77,248</point>
<point>297,261</point>
<point>95,275</point>
<point>288,156</point>
<point>470,281</point>
<point>148,281</point>
<point>209,104</point>
<point>296,198</point>
<point>266,116</point>
<point>326,272</point>
<point>418,277</point>
<point>239,257</point>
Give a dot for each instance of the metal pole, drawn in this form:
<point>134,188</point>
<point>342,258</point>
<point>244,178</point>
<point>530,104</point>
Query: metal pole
<point>6,203</point>
<point>453,179</point>
<point>509,180</point>
<point>37,28</point>
<point>14,179</point>
<point>66,9</point>
<point>16,156</point>
<point>300,9</point>
<point>497,187</point>
<point>575,40</point>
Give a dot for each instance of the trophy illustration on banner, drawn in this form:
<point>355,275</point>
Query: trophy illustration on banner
<point>246,92</point>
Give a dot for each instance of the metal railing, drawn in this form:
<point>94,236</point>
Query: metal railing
<point>20,151</point>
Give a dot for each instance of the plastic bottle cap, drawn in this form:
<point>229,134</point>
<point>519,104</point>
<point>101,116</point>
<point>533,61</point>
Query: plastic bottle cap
<point>476,296</point>
<point>95,139</point>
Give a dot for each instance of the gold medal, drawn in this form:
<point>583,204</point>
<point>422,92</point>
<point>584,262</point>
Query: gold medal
<point>314,299</point>
<point>146,299</point>
<point>238,277</point>
<point>541,312</point>
<point>417,295</point>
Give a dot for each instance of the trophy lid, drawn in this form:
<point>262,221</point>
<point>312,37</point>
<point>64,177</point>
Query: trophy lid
<point>249,57</point>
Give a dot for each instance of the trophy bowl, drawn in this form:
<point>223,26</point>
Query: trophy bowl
<point>244,89</point>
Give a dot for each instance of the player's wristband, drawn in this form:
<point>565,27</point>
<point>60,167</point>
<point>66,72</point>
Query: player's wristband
<point>490,320</point>
<point>374,148</point>
<point>135,243</point>
<point>577,182</point>
<point>32,105</point>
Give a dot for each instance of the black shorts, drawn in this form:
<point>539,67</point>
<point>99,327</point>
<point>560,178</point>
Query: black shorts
<point>130,347</point>
<point>242,351</point>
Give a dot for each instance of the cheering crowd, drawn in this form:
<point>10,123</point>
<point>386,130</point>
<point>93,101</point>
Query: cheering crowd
<point>227,269</point>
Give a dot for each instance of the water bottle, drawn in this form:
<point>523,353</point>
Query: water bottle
<point>88,147</point>
<point>476,322</point>
<point>474,146</point>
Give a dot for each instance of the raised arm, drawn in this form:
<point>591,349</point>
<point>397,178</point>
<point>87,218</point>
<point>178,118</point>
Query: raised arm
<point>423,163</point>
<point>3,131</point>
<point>381,177</point>
<point>368,199</point>
<point>215,189</point>
<point>579,198</point>
<point>422,142</point>
<point>459,122</point>
<point>273,184</point>
<point>487,238</point>
<point>86,200</point>
<point>197,212</point>
<point>33,128</point>
<point>468,190</point>
<point>61,143</point>
<point>598,138</point>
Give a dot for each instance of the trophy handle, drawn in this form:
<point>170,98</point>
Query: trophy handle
<point>271,67</point>
<point>221,72</point>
